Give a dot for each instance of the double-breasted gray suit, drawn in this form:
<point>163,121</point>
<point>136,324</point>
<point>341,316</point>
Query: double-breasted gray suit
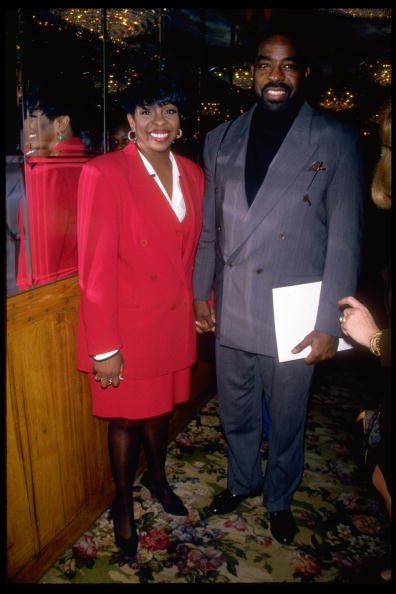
<point>303,226</point>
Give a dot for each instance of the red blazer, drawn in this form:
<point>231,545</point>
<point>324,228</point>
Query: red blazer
<point>135,281</point>
<point>50,228</point>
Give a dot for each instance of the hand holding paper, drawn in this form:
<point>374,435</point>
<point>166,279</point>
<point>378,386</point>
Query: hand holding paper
<point>295,310</point>
<point>323,346</point>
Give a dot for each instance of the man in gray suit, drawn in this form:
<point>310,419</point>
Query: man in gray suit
<point>283,206</point>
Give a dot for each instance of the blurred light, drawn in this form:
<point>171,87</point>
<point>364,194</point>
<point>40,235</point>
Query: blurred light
<point>380,71</point>
<point>362,13</point>
<point>210,108</point>
<point>337,101</point>
<point>122,23</point>
<point>242,77</point>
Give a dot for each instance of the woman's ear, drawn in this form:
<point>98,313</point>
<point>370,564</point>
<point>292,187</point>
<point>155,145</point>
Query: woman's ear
<point>131,121</point>
<point>61,124</point>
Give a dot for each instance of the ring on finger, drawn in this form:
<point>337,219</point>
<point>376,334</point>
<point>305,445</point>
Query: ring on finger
<point>109,380</point>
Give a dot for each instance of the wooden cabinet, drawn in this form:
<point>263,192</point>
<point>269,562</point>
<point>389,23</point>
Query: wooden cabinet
<point>58,474</point>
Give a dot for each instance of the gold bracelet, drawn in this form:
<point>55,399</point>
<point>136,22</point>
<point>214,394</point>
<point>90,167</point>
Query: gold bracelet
<point>375,343</point>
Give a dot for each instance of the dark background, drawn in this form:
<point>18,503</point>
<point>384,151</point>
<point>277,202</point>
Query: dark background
<point>344,49</point>
<point>347,48</point>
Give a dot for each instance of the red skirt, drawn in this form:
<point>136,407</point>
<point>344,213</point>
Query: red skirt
<point>140,398</point>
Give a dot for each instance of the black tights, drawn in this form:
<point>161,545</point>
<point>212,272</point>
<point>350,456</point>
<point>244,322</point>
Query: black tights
<point>125,438</point>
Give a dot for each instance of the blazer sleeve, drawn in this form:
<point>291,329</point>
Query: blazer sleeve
<point>98,235</point>
<point>344,199</point>
<point>205,258</point>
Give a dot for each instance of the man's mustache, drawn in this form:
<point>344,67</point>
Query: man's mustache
<point>276,86</point>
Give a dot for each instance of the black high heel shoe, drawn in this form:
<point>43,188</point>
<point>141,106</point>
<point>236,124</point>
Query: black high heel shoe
<point>128,546</point>
<point>173,505</point>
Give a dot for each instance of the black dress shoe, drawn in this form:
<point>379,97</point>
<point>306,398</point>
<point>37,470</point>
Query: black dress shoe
<point>283,526</point>
<point>172,504</point>
<point>226,502</point>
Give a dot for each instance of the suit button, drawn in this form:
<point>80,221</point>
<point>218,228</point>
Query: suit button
<point>173,306</point>
<point>218,227</point>
<point>230,264</point>
<point>143,242</point>
<point>153,276</point>
<point>281,236</point>
<point>259,270</point>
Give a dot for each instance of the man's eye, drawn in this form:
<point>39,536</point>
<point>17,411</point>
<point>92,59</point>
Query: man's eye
<point>263,66</point>
<point>290,66</point>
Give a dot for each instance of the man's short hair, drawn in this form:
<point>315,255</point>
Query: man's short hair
<point>296,39</point>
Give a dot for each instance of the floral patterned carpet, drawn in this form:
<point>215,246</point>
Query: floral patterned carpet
<point>342,528</point>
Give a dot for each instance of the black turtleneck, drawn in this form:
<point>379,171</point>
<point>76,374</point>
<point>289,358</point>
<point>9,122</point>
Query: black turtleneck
<point>267,131</point>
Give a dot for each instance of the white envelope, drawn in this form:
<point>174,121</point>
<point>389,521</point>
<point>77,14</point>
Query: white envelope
<point>295,310</point>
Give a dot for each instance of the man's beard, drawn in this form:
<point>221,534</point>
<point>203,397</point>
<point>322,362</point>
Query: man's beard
<point>289,100</point>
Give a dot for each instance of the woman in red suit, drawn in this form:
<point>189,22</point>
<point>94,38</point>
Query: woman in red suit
<point>138,222</point>
<point>52,128</point>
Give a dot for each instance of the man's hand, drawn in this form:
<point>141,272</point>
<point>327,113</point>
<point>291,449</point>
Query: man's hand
<point>323,346</point>
<point>205,318</point>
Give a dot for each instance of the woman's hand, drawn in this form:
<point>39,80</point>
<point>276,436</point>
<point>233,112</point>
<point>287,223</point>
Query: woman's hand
<point>109,372</point>
<point>357,322</point>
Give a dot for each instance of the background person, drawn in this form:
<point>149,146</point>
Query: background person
<point>15,195</point>
<point>139,219</point>
<point>119,137</point>
<point>358,323</point>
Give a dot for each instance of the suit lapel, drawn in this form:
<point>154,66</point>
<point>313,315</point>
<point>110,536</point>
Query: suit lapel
<point>293,156</point>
